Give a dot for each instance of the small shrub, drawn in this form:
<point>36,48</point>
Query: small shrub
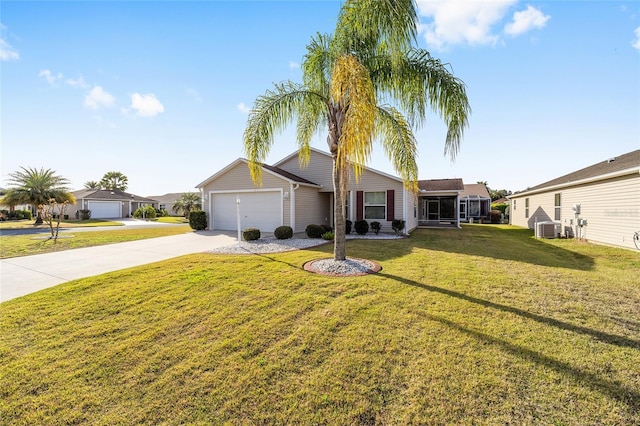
<point>362,227</point>
<point>283,232</point>
<point>397,225</point>
<point>495,216</point>
<point>251,234</point>
<point>83,214</point>
<point>375,227</point>
<point>198,220</point>
<point>314,231</point>
<point>66,217</point>
<point>20,215</point>
<point>162,213</point>
<point>146,212</point>
<point>348,224</point>
<point>326,228</point>
<point>329,236</point>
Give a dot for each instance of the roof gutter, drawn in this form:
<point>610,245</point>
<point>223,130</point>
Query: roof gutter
<point>631,171</point>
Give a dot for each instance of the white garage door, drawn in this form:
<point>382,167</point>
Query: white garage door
<point>262,210</point>
<point>105,209</point>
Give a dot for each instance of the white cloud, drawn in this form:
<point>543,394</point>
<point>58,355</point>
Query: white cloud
<point>50,77</point>
<point>461,22</point>
<point>98,98</point>
<point>243,108</point>
<point>293,65</point>
<point>79,82</point>
<point>526,20</point>
<point>7,52</point>
<point>636,42</point>
<point>146,105</point>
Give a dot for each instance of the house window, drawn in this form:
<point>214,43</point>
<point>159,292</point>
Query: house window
<point>526,207</point>
<point>557,207</point>
<point>375,205</point>
<point>514,204</point>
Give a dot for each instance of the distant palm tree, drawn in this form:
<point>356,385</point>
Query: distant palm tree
<point>36,187</point>
<point>114,181</point>
<point>92,184</point>
<point>347,78</point>
<point>188,202</point>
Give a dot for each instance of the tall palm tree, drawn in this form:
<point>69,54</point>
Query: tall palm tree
<point>188,202</point>
<point>36,187</point>
<point>92,184</point>
<point>114,181</point>
<point>347,79</point>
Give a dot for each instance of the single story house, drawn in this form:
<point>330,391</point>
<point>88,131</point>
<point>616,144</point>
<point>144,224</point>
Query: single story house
<point>295,196</point>
<point>167,201</point>
<point>600,203</point>
<point>108,204</point>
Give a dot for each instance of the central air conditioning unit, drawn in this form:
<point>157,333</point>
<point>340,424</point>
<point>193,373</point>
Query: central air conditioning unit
<point>547,230</point>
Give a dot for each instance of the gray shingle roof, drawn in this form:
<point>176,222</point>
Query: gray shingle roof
<point>288,175</point>
<point>441,185</point>
<point>611,165</point>
<point>105,194</point>
<point>475,189</point>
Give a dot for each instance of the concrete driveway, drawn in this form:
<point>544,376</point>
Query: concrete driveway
<point>23,275</point>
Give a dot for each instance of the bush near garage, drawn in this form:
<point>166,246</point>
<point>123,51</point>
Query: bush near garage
<point>283,232</point>
<point>251,234</point>
<point>198,220</point>
<point>314,231</point>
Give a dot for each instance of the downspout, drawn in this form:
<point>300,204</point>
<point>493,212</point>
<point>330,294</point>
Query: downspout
<point>292,206</point>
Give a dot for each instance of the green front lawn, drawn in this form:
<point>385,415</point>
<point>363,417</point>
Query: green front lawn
<point>26,245</point>
<point>483,325</point>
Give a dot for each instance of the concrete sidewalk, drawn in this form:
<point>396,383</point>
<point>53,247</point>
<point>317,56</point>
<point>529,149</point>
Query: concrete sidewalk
<point>23,275</point>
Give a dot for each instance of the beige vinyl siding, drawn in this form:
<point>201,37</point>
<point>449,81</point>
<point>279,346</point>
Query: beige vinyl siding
<point>319,170</point>
<point>311,208</point>
<point>239,179</point>
<point>611,208</point>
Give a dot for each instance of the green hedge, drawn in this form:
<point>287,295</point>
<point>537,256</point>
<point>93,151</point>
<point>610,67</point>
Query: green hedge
<point>198,220</point>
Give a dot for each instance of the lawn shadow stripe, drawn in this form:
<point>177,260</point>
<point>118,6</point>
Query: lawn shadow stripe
<point>621,393</point>
<point>599,335</point>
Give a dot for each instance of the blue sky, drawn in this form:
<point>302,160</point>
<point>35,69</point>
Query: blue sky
<point>160,90</point>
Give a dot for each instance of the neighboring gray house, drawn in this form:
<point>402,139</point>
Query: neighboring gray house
<point>600,203</point>
<point>167,201</point>
<point>297,197</point>
<point>107,204</point>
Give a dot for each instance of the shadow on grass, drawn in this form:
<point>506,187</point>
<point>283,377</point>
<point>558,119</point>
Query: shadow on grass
<point>500,242</point>
<point>624,394</point>
<point>599,335</point>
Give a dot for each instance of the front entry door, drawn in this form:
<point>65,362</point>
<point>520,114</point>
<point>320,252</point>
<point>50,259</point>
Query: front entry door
<point>463,210</point>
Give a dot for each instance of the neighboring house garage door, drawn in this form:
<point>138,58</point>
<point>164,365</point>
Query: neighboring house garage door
<point>262,210</point>
<point>105,209</point>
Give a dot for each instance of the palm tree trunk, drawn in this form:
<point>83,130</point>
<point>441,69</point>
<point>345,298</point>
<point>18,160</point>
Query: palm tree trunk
<point>336,120</point>
<point>339,239</point>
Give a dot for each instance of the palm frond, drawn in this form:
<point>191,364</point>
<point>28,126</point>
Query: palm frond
<point>271,114</point>
<point>399,143</point>
<point>318,64</point>
<point>419,82</point>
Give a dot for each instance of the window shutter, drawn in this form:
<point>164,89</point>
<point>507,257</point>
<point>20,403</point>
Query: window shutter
<point>359,205</point>
<point>391,208</point>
